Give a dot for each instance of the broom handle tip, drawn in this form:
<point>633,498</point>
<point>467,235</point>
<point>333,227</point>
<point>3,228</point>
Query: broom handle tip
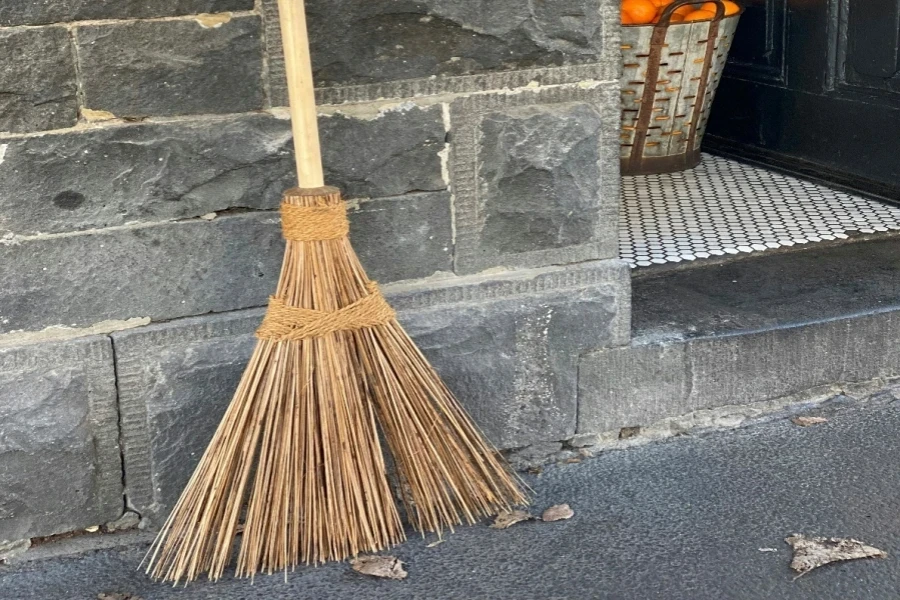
<point>301,92</point>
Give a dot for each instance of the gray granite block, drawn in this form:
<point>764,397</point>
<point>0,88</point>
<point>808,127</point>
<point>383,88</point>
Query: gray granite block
<point>39,12</point>
<point>175,381</point>
<point>60,467</point>
<point>365,42</point>
<point>405,237</point>
<point>172,67</point>
<point>638,385</point>
<point>170,270</point>
<point>539,177</point>
<point>156,171</point>
<point>143,172</point>
<point>507,345</point>
<point>37,80</point>
<point>535,176</point>
<point>393,153</point>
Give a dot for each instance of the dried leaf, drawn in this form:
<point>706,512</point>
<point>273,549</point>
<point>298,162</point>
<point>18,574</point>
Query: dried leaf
<point>810,553</point>
<point>510,518</point>
<point>387,567</point>
<point>807,421</point>
<point>117,596</point>
<point>768,549</point>
<point>558,513</point>
<point>434,543</point>
<point>573,460</point>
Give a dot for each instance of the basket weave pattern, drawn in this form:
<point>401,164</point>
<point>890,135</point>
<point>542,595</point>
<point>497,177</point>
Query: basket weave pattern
<point>662,128</point>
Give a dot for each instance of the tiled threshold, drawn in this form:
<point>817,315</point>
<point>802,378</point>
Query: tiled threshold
<point>723,208</point>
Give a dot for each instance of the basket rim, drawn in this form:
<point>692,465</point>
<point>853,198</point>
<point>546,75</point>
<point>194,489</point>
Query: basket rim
<point>670,24</point>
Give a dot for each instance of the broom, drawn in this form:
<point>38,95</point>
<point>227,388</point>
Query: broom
<point>296,466</point>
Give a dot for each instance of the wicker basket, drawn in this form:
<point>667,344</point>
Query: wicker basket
<point>663,125</point>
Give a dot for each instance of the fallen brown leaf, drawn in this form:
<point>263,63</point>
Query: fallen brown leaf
<point>572,461</point>
<point>810,553</point>
<point>510,518</point>
<point>117,596</point>
<point>434,543</point>
<point>558,513</point>
<point>807,421</point>
<point>387,567</point>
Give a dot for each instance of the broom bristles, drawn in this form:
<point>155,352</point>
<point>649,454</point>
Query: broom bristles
<point>302,425</point>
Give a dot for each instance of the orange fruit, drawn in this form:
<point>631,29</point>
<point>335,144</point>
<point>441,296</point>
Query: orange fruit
<point>676,18</point>
<point>641,11</point>
<point>626,19</point>
<point>700,15</point>
<point>683,10</point>
<point>661,3</point>
<point>730,7</point>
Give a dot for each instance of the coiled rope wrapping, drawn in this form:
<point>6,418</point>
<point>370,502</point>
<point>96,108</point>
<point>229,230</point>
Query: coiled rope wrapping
<point>283,322</point>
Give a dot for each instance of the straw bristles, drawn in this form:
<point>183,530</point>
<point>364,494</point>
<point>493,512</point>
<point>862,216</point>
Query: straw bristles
<point>302,427</point>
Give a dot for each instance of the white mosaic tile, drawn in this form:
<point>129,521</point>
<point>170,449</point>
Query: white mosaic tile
<point>723,208</point>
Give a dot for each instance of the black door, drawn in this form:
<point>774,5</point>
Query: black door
<point>813,87</point>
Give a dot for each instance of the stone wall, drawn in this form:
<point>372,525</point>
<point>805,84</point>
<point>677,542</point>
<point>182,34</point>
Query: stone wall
<point>144,146</point>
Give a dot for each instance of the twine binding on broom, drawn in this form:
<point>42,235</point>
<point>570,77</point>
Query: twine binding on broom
<point>284,322</point>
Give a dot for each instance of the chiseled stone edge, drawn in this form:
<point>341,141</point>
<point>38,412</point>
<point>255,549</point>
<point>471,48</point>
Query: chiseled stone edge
<point>466,115</point>
<point>95,356</point>
<point>139,486</point>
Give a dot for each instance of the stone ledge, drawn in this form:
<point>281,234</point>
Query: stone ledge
<point>60,467</point>
<point>639,385</point>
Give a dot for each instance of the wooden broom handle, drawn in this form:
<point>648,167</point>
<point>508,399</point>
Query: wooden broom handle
<point>301,92</point>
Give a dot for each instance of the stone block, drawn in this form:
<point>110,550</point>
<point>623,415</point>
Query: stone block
<point>175,381</point>
<point>60,467</point>
<point>37,80</point>
<point>405,237</point>
<point>161,271</point>
<point>170,270</point>
<point>539,177</point>
<point>364,41</point>
<point>174,67</point>
<point>41,12</point>
<point>506,344</point>
<point>642,384</point>
<point>143,172</point>
<point>357,42</point>
<point>535,176</point>
<point>157,171</point>
<point>392,153</point>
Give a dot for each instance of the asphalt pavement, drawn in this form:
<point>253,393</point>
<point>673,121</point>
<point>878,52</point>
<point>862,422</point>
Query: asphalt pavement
<point>695,518</point>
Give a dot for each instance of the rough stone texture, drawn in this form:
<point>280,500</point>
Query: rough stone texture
<point>143,172</point>
<point>162,272</point>
<point>394,153</point>
<point>507,345</point>
<point>60,467</point>
<point>405,237</point>
<point>640,385</point>
<point>39,12</point>
<point>175,381</point>
<point>535,176</point>
<point>363,42</point>
<point>171,270</point>
<point>539,177</point>
<point>396,75</point>
<point>155,171</point>
<point>37,80</point>
<point>172,67</point>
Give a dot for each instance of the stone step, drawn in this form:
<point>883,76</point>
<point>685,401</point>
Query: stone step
<point>767,327</point>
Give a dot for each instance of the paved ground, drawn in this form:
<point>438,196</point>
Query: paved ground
<point>683,519</point>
